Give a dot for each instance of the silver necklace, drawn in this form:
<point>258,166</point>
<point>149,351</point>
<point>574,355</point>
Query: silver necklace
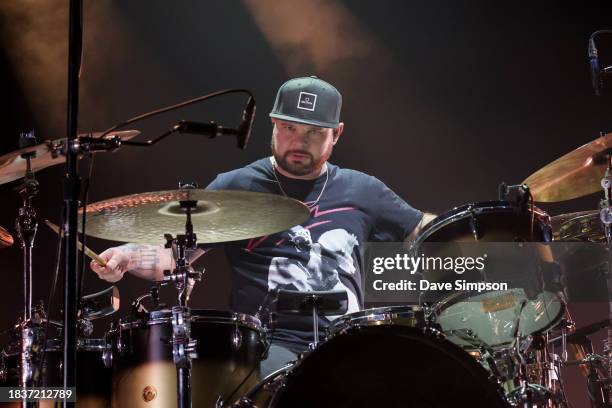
<point>280,186</point>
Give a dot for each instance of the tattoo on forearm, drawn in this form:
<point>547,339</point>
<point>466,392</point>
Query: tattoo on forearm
<point>143,257</point>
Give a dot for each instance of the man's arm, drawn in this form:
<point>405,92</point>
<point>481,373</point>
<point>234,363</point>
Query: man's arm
<point>145,261</point>
<point>417,230</point>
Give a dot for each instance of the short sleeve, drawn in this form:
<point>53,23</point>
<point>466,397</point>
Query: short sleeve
<point>394,219</point>
<point>221,182</point>
<point>215,184</point>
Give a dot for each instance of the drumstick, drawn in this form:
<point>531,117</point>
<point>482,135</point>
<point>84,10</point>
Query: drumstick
<point>88,251</point>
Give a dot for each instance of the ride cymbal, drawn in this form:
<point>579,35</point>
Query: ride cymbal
<point>219,216</point>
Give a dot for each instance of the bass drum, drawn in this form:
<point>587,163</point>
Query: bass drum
<point>385,357</point>
<point>471,318</point>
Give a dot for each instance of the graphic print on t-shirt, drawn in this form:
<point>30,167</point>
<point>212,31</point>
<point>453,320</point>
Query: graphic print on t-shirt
<point>327,258</point>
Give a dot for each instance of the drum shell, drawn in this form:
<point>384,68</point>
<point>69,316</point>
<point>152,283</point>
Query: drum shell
<point>93,382</point>
<point>390,366</point>
<point>228,347</point>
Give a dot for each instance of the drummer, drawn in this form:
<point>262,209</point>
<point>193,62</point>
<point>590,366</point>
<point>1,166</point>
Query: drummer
<point>348,209</point>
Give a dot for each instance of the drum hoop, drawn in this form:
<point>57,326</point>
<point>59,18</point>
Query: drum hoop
<point>212,316</point>
<point>461,212</point>
<point>386,315</point>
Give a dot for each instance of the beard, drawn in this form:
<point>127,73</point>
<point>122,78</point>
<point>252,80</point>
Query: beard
<point>308,165</point>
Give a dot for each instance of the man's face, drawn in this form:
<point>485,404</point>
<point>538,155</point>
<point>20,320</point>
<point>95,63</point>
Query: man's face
<point>302,150</point>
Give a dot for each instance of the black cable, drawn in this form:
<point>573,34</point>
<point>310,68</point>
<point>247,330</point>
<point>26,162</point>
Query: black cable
<point>83,227</point>
<point>173,107</point>
<point>58,255</point>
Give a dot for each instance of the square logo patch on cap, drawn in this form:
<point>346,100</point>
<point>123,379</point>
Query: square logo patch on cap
<point>307,101</point>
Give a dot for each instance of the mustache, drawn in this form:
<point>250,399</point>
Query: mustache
<point>304,152</point>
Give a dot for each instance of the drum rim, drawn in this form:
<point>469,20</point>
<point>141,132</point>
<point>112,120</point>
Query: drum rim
<point>460,212</point>
<point>163,316</point>
<point>374,317</point>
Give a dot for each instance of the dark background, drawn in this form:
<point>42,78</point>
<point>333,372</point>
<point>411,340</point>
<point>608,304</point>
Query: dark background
<point>441,101</point>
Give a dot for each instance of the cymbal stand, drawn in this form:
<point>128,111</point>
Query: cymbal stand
<point>26,225</point>
<point>605,215</point>
<point>183,276</point>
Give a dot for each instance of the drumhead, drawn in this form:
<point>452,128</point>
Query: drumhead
<point>388,366</point>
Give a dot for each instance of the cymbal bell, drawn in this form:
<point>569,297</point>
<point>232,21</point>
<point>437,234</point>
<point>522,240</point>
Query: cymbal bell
<point>576,174</point>
<point>46,154</point>
<point>218,216</point>
<point>6,239</point>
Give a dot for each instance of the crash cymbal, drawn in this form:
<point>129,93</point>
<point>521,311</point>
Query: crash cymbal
<point>220,216</point>
<point>573,175</point>
<point>46,154</point>
<point>578,226</point>
<point>6,240</point>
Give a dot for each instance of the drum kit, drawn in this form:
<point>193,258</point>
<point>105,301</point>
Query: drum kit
<point>491,349</point>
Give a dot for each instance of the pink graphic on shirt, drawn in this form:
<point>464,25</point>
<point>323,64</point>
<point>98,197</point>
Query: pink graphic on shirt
<point>315,213</point>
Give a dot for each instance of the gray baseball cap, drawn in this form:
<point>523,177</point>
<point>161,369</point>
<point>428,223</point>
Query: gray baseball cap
<point>308,100</point>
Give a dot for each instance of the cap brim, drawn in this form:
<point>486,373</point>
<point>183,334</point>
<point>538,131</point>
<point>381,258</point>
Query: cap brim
<point>304,121</point>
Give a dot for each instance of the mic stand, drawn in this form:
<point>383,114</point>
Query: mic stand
<point>26,225</point>
<point>605,215</point>
<point>71,190</point>
<point>183,346</point>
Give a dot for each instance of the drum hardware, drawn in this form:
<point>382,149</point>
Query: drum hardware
<point>100,304</point>
<point>138,308</point>
<point>474,227</point>
<point>183,276</point>
<point>26,225</point>
<point>45,154</point>
<point>315,304</point>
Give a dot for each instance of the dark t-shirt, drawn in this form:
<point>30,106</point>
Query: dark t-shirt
<point>324,253</point>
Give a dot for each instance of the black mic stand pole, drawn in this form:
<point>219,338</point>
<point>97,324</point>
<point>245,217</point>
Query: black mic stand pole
<point>71,193</point>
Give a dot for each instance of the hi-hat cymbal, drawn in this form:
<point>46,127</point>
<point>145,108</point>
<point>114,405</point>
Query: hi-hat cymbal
<point>219,216</point>
<point>576,174</point>
<point>46,154</point>
<point>6,240</point>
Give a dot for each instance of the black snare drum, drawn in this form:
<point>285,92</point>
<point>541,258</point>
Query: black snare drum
<point>229,349</point>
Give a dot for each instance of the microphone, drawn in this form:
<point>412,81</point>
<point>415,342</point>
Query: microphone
<point>213,129</point>
<point>246,124</point>
<point>595,70</point>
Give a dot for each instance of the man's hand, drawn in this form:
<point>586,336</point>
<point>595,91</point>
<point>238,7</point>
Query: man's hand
<point>117,261</point>
<point>145,261</point>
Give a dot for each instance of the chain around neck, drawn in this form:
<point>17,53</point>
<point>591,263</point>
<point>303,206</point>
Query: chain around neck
<point>280,186</point>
